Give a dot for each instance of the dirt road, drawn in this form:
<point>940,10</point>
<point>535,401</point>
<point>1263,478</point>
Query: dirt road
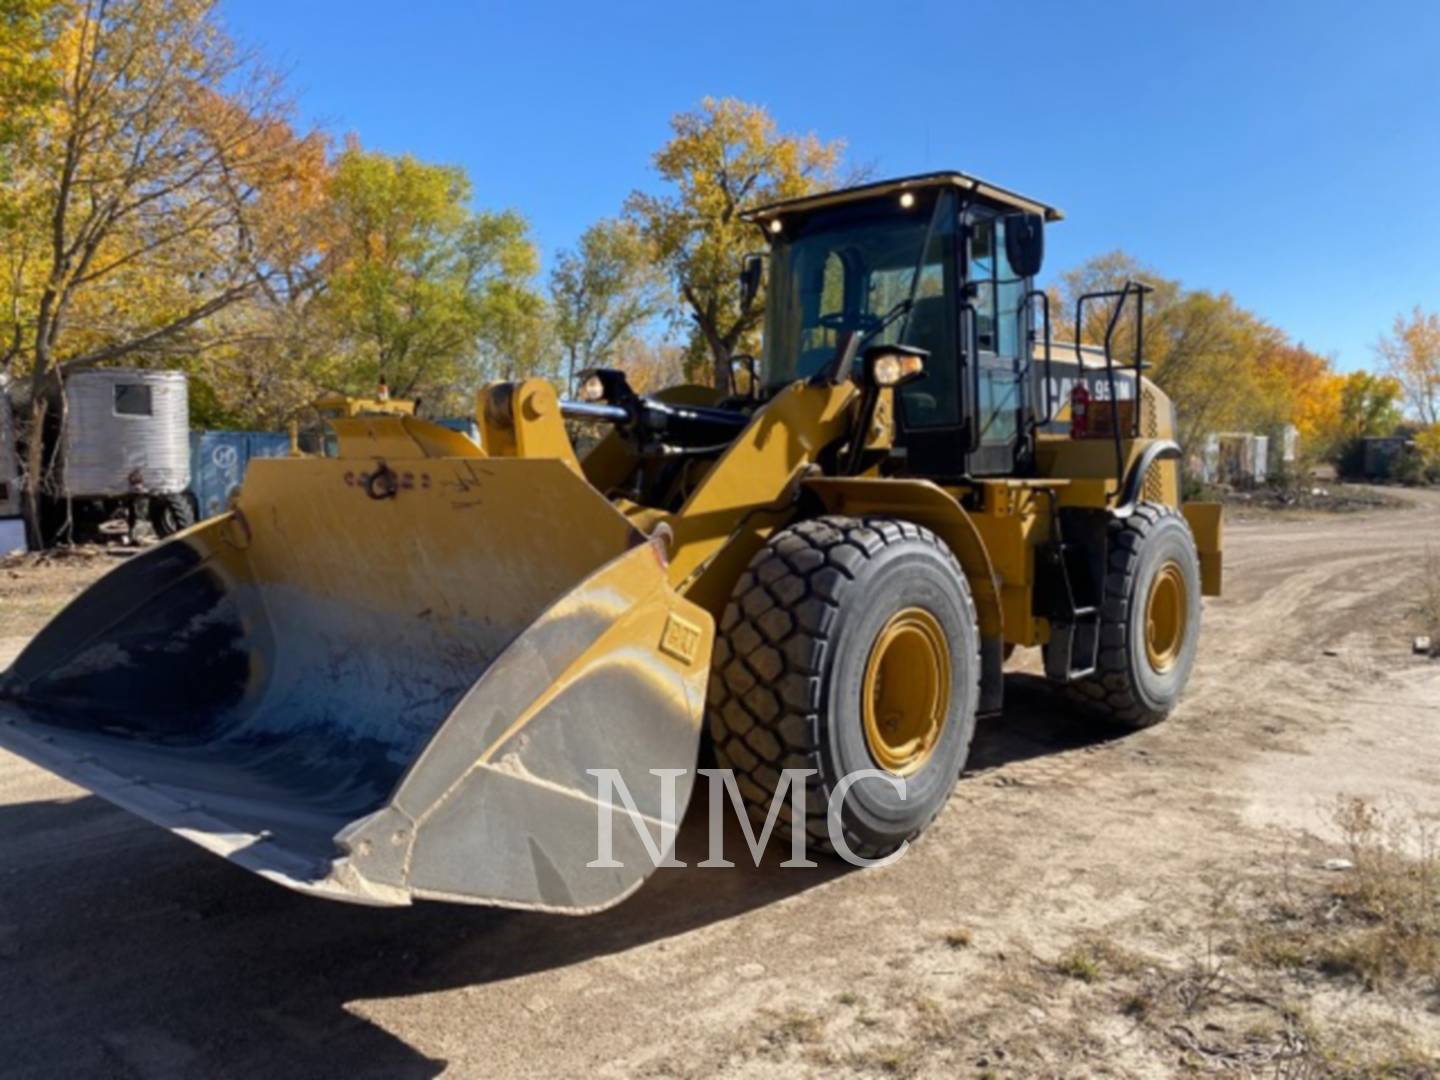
<point>125,952</point>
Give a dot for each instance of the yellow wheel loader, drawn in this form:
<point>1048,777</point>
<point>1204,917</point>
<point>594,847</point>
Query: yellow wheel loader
<point>405,668</point>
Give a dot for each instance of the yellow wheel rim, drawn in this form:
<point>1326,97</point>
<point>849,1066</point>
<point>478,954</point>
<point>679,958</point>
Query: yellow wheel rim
<point>1166,612</point>
<point>906,690</point>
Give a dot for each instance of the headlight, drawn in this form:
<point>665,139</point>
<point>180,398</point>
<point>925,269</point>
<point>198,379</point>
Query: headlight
<point>890,367</point>
<point>592,389</point>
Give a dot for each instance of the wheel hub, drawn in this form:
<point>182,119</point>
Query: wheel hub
<point>906,693</point>
<point>1166,613</point>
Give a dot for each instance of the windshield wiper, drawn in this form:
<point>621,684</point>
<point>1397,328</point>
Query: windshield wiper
<point>847,348</point>
<point>902,307</point>
<point>850,341</point>
<point>940,203</point>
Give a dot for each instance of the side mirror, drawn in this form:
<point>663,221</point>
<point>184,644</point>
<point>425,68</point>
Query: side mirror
<point>1024,243</point>
<point>752,272</point>
<point>746,363</point>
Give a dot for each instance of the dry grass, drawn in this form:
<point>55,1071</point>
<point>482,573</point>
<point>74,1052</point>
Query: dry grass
<point>792,1026</point>
<point>1097,956</point>
<point>959,938</point>
<point>1377,922</point>
<point>1249,980</point>
<point>1079,963</point>
<point>1253,992</point>
<point>890,1059</point>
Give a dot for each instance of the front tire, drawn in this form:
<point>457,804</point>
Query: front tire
<point>1150,620</point>
<point>849,644</point>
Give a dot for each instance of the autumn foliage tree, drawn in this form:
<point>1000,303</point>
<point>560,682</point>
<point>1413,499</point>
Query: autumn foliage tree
<point>265,356</point>
<point>422,291</point>
<point>1224,366</point>
<point>603,293</point>
<point>1203,347</point>
<point>1369,405</point>
<point>26,80</point>
<point>158,207</point>
<point>1411,355</point>
<point>1293,385</point>
<point>723,159</point>
<point>132,193</point>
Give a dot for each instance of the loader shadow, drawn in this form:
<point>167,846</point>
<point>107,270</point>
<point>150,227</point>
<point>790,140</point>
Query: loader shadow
<point>1037,723</point>
<point>126,950</point>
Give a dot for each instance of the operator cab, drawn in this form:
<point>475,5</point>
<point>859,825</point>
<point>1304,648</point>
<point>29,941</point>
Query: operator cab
<point>942,263</point>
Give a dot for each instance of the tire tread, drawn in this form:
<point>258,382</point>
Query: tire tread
<point>762,719</point>
<point>1109,694</point>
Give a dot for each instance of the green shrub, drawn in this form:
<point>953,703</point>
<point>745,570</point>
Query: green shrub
<point>1408,467</point>
<point>1350,463</point>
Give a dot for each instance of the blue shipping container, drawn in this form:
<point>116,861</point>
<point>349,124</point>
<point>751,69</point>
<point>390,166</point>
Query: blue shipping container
<point>218,460</point>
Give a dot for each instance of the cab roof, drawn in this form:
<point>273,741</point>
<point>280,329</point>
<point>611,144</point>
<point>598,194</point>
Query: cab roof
<point>991,193</point>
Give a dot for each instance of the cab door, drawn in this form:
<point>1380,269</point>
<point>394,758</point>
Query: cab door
<point>999,338</point>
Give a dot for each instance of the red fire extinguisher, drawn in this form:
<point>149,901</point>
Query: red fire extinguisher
<point>1079,410</point>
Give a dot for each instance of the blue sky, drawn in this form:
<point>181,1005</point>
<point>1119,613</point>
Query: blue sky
<point>1286,152</point>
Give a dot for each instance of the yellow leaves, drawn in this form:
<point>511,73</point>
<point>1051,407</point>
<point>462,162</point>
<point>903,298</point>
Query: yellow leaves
<point>722,159</point>
<point>1297,386</point>
<point>419,287</point>
<point>1412,356</point>
<point>1225,367</point>
<point>1369,404</point>
<point>1427,442</point>
<point>291,177</point>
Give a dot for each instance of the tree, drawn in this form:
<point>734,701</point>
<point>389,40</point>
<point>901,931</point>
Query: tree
<point>1427,448</point>
<point>1222,365</point>
<point>27,76</point>
<point>28,79</point>
<point>1412,357</point>
<point>517,339</point>
<point>1300,387</point>
<point>423,292</point>
<point>380,271</point>
<point>269,354</point>
<point>721,160</point>
<point>604,292</point>
<point>1106,273</point>
<point>652,366</point>
<point>1369,405</point>
<point>1203,347</point>
<point>132,193</point>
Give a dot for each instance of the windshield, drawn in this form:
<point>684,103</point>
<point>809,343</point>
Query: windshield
<point>847,269</point>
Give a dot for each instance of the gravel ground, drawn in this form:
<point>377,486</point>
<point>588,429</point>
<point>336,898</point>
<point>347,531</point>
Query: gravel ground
<point>1085,906</point>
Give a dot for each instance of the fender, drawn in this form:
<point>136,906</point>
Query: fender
<point>927,504</point>
<point>1134,490</point>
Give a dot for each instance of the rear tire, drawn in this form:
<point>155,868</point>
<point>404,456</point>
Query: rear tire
<point>1150,620</point>
<point>834,613</point>
<point>171,513</point>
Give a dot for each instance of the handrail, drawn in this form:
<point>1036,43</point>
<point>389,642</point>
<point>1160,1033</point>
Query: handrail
<point>1029,339</point>
<point>1139,289</point>
<point>970,321</point>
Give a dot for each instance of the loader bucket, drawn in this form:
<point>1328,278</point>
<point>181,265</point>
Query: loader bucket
<point>376,696</point>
